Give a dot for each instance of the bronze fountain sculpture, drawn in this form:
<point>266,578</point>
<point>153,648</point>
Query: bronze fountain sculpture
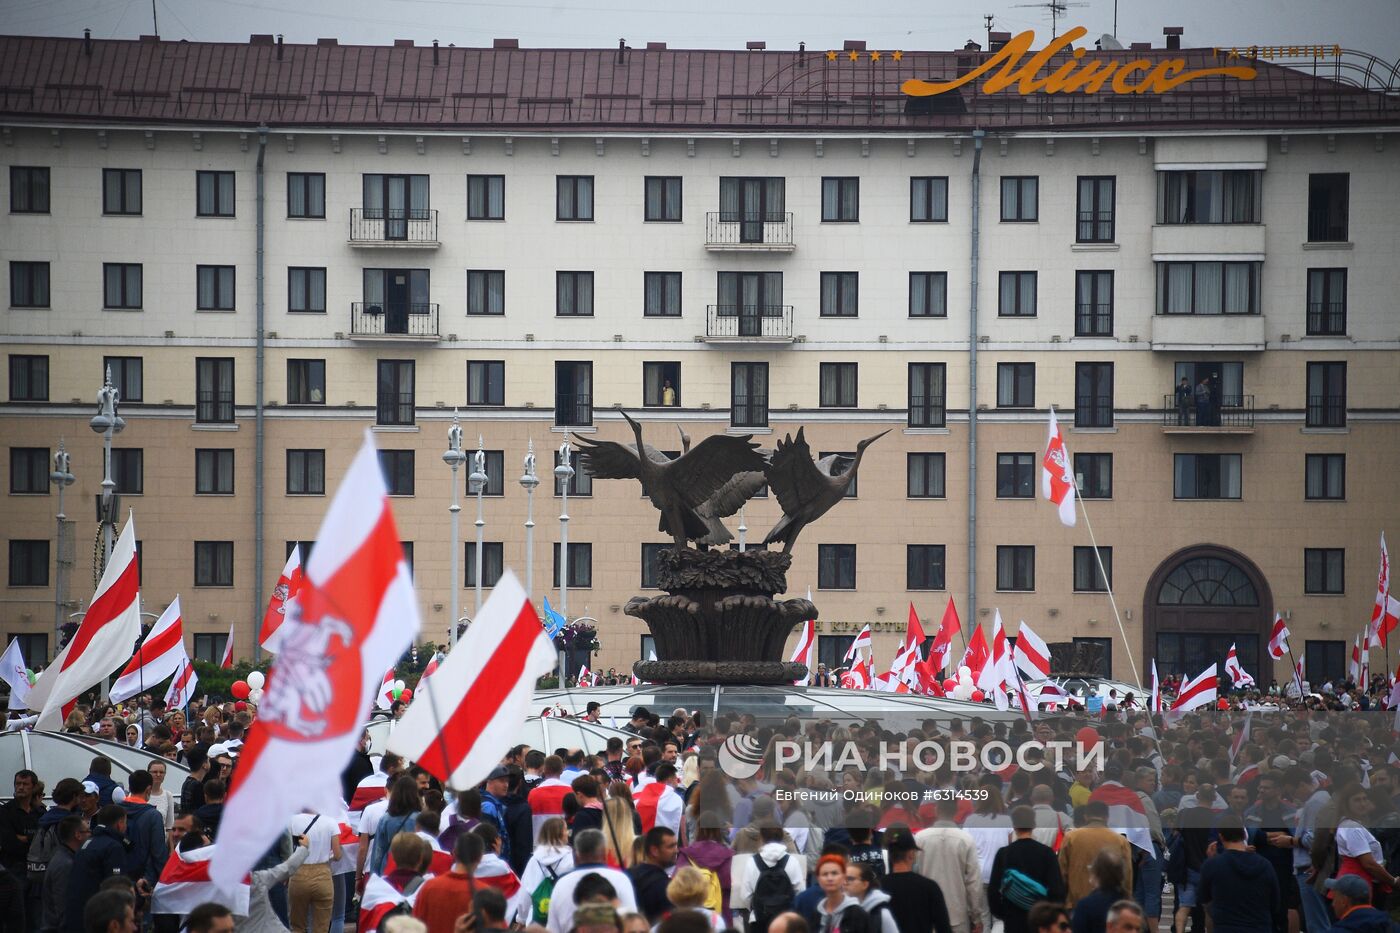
<point>719,621</point>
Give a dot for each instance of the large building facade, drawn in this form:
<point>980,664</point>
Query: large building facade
<point>275,249</point>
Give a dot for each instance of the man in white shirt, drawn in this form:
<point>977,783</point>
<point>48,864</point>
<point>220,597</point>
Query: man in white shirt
<point>948,855</point>
<point>590,858</point>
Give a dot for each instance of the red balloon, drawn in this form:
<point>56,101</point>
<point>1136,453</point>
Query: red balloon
<point>949,684</point>
<point>406,695</point>
<point>1087,737</point>
<point>240,706</point>
<point>239,690</point>
<point>978,696</point>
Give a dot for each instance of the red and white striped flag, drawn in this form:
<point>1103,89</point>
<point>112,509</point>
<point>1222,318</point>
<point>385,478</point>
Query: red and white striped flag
<point>1126,814</point>
<point>372,787</point>
<point>1278,638</point>
<point>1156,706</point>
<point>378,899</point>
<point>288,585</point>
<point>1241,737</point>
<point>1056,474</point>
<point>805,652</point>
<point>998,670</point>
<point>185,883</point>
<point>976,655</point>
<point>227,662</point>
<point>1354,665</point>
<point>103,640</point>
<point>1239,677</point>
<point>1298,677</point>
<point>182,686</point>
<point>356,614</point>
<point>474,712</point>
<point>862,641</point>
<point>1032,654</point>
<point>385,697</point>
<point>585,677</point>
<point>161,655</point>
<point>1202,690</point>
<point>431,668</point>
<point>950,627</point>
<point>859,677</point>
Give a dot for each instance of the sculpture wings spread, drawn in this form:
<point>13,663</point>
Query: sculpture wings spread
<point>805,488</point>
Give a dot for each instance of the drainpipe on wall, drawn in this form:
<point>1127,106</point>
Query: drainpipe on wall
<point>260,440</point>
<point>972,336</point>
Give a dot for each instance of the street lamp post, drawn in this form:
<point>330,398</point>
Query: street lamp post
<point>107,423</point>
<point>62,477</point>
<point>529,481</point>
<point>454,457</point>
<point>478,480</point>
<point>563,475</point>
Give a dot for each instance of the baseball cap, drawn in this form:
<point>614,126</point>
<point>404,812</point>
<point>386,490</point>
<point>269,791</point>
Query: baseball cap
<point>1350,886</point>
<point>1283,761</point>
<point>89,787</point>
<point>498,772</point>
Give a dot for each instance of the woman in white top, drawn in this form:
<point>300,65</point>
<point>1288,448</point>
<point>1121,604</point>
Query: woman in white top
<point>311,891</point>
<point>552,858</point>
<point>159,797</point>
<point>1358,851</point>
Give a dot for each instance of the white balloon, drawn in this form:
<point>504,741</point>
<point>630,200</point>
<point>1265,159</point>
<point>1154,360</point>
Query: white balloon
<point>399,685</point>
<point>255,694</point>
<point>256,680</point>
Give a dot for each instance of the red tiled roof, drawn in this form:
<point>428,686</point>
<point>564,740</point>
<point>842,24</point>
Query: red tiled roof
<point>648,90</point>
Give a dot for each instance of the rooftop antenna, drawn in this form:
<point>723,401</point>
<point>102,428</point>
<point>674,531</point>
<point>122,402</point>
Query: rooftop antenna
<point>155,27</point>
<point>987,19</point>
<point>1057,8</point>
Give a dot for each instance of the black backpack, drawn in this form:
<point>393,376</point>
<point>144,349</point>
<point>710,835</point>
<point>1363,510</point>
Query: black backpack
<point>772,893</point>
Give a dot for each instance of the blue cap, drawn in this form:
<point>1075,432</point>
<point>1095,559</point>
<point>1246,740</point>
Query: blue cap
<point>1352,887</point>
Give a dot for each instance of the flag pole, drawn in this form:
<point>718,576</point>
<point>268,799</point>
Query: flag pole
<point>1108,584</point>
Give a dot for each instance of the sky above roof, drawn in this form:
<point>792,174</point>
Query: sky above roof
<point>1366,25</point>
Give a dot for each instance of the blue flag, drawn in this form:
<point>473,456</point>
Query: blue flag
<point>553,622</point>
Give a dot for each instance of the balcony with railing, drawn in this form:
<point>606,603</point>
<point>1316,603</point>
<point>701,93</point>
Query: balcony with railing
<point>1093,411</point>
<point>1232,414</point>
<point>748,323</point>
<point>394,321</point>
<point>1327,318</point>
<point>1327,411</point>
<point>213,406</point>
<point>741,231</point>
<point>1095,227</point>
<point>402,228</point>
<point>927,411</point>
<point>573,409</point>
<point>749,411</point>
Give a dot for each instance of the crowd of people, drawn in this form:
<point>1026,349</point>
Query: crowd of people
<point>1189,823</point>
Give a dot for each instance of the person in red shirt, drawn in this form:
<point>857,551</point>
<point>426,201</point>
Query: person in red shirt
<point>445,898</point>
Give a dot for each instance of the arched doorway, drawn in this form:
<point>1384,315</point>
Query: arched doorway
<point>1200,601</point>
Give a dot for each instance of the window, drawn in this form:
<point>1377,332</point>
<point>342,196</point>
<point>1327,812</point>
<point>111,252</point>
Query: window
<point>1207,288</point>
<point>840,200</point>
<point>126,376</point>
<point>213,390</point>
<point>394,401</point>
<point>832,651</point>
<point>129,470</point>
<point>1095,209</point>
<point>1102,648</point>
<point>29,285</point>
<point>213,563</point>
<point>663,198</point>
<point>1093,303</point>
<point>396,200</point>
<point>35,648</point>
<point>661,384</point>
<point>210,647</point>
<point>580,484</point>
<point>306,290</point>
<point>924,567</point>
<point>1327,302</point>
<point>213,472</point>
<point>662,294</point>
<point>121,191</point>
<point>836,566</point>
<point>1325,476</point>
<point>573,393</point>
<point>493,563</point>
<point>925,475</point>
<point>1206,476</point>
<point>1017,295</point>
<point>306,473</point>
<point>840,294</point>
<point>926,381</point>
<point>1327,395</point>
<point>1020,198</point>
<point>215,288</point>
<point>1015,567</point>
<point>1093,475</point>
<point>573,294</point>
<point>306,194</point>
<point>1324,571</point>
<point>486,291</point>
<point>1015,385</point>
<point>838,385</point>
<point>486,197</point>
<point>121,286</point>
<point>928,294</point>
<point>1328,194</point>
<point>29,191</point>
<point>215,194</point>
<point>306,382</point>
<point>29,378</point>
<point>1015,476</point>
<point>29,563</point>
<point>495,473</point>
<point>1209,197</point>
<point>397,466</point>
<point>928,200</point>
<point>748,395</point>
<point>1087,576</point>
<point>650,554</point>
<point>747,301</point>
<point>29,471</point>
<point>407,548</point>
<point>486,382</point>
<point>580,565</point>
<point>573,197</point>
<point>1093,395</point>
<point>1325,660</point>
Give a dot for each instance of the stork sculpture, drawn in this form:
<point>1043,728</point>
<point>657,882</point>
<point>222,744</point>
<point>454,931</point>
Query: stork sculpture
<point>806,488</point>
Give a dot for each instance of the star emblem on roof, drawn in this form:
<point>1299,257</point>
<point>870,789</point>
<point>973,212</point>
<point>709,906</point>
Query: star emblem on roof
<point>831,55</point>
<point>897,55</point>
<point>855,56</point>
<point>874,56</point>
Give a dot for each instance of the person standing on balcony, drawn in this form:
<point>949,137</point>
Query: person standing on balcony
<point>1203,402</point>
<point>1183,402</point>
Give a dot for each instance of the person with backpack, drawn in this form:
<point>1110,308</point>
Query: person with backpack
<point>651,875</point>
<point>713,857</point>
<point>1023,873</point>
<point>46,842</point>
<point>103,855</point>
<point>71,832</point>
<point>864,885</point>
<point>551,858</point>
<point>770,879</point>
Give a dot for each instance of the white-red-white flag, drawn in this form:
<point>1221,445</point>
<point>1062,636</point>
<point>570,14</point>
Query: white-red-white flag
<point>862,641</point>
<point>103,641</point>
<point>998,670</point>
<point>1354,665</point>
<point>183,685</point>
<point>913,630</point>
<point>1278,638</point>
<point>473,713</point>
<point>355,616</point>
<point>1057,475</point>
<point>1156,705</point>
<point>385,697</point>
<point>1239,677</point>
<point>859,677</point>
<point>805,652</point>
<point>14,671</point>
<point>185,883</point>
<point>161,655</point>
<point>1298,677</point>
<point>948,629</point>
<point>1032,654</point>
<point>226,663</point>
<point>288,585</point>
<point>1202,690</point>
<point>585,677</point>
